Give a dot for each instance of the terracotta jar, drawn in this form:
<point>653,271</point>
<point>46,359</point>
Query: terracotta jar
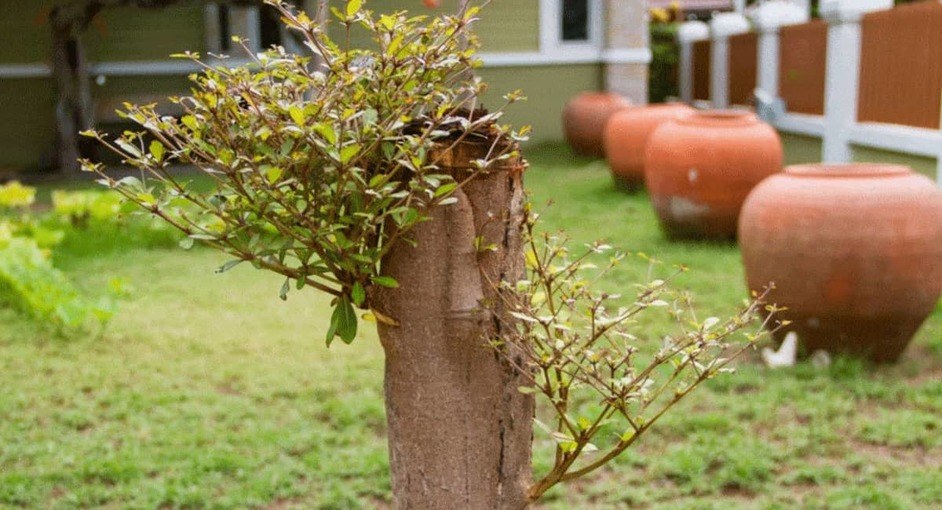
<point>855,252</point>
<point>584,120</point>
<point>626,138</point>
<point>699,168</point>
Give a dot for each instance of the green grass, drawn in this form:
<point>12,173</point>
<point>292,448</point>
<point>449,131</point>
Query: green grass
<point>209,392</point>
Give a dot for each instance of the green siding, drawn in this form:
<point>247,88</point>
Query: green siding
<point>504,26</point>
<point>547,88</point>
<point>27,122</point>
<point>510,25</point>
<point>24,31</point>
<point>129,33</point>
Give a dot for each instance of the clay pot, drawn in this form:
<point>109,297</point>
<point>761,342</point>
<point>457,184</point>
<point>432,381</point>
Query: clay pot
<point>855,252</point>
<point>626,138</point>
<point>584,120</point>
<point>699,168</point>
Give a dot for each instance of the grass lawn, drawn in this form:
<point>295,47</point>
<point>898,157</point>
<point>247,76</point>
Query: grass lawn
<point>207,391</point>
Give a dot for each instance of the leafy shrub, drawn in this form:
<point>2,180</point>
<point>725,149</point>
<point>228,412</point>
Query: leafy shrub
<point>30,283</point>
<point>98,222</point>
<point>665,58</point>
<point>28,280</point>
<point>80,207</point>
<point>14,195</point>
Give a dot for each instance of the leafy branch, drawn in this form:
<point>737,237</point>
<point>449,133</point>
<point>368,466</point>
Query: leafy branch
<point>575,345</point>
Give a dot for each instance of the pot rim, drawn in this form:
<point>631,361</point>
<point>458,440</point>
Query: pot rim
<point>720,118</point>
<point>848,170</point>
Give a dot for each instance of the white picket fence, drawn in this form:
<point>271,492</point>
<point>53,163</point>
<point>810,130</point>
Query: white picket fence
<point>839,127</point>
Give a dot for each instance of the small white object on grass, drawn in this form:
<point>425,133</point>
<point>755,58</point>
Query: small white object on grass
<point>786,354</point>
<point>820,359</point>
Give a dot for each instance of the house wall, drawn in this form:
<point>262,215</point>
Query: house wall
<point>129,33</point>
<point>27,122</point>
<point>24,36</point>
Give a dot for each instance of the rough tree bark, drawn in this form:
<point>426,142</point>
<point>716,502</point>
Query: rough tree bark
<point>460,431</point>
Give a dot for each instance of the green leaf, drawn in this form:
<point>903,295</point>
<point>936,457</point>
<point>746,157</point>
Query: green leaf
<point>358,294</point>
<point>353,7</point>
<point>229,265</point>
<point>445,189</point>
<point>386,281</point>
<point>273,173</point>
<point>128,147</point>
<point>285,287</point>
<point>157,150</point>
<point>343,322</point>
<point>186,243</point>
<point>330,136</point>
<point>190,122</point>
<point>348,153</point>
<point>297,115</point>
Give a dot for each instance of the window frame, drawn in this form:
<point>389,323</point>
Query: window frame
<point>551,30</point>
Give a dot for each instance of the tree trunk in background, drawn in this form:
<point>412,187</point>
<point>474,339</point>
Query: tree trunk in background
<point>460,431</point>
<point>74,100</point>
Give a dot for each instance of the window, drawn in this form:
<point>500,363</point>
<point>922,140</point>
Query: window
<point>571,29</point>
<point>270,27</point>
<point>575,20</point>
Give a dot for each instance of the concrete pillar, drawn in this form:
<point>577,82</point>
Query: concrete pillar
<point>768,18</point>
<point>843,72</point>
<point>687,34</point>
<point>245,23</point>
<point>627,53</point>
<point>722,26</point>
<point>211,31</point>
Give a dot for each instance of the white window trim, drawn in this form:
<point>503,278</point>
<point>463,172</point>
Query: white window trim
<point>552,45</point>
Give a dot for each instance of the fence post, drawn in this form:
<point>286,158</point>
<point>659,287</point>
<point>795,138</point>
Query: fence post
<point>689,33</point>
<point>768,18</point>
<point>841,83</point>
<point>721,27</point>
